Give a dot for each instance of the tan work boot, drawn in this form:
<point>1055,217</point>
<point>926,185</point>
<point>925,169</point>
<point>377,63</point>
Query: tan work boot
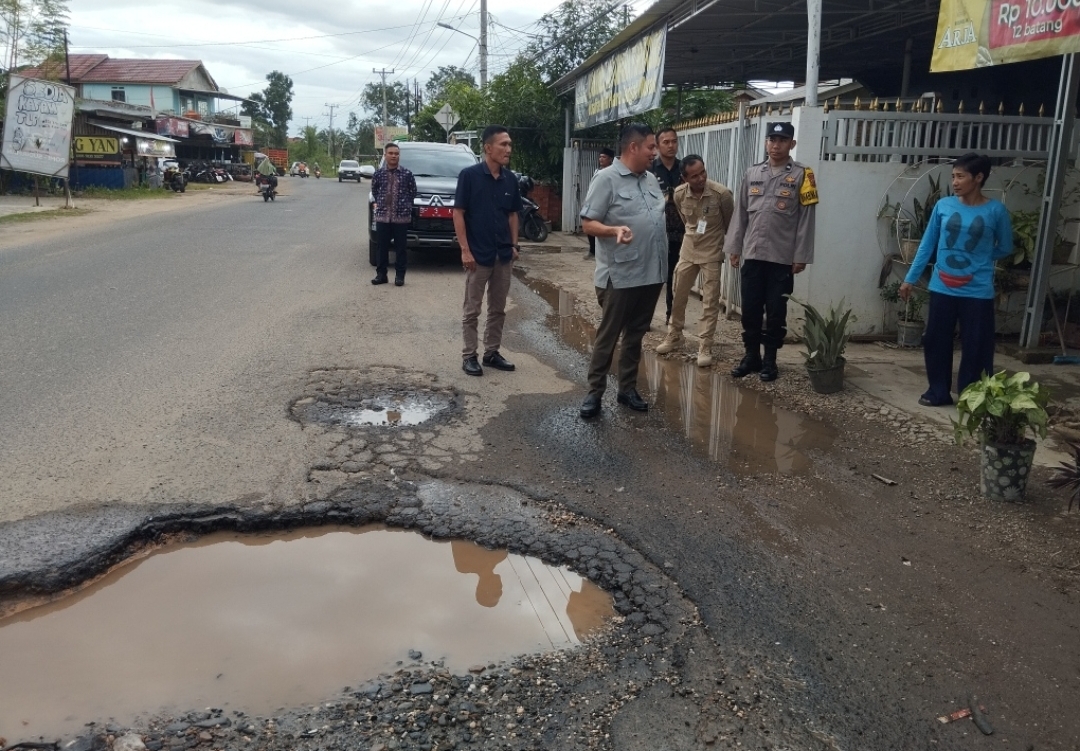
<point>704,354</point>
<point>671,342</point>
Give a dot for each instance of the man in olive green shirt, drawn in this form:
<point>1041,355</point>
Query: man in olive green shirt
<point>705,207</point>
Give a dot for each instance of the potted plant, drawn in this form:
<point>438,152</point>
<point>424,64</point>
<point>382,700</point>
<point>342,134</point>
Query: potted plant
<point>909,225</point>
<point>909,321</point>
<point>1001,409</point>
<point>1067,476</point>
<point>1025,225</point>
<point>825,338</point>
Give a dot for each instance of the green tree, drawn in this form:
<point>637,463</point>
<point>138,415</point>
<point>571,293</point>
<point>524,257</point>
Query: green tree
<point>687,105</point>
<point>31,33</point>
<point>398,101</point>
<point>31,30</point>
<point>572,32</point>
<point>441,80</point>
<point>271,108</point>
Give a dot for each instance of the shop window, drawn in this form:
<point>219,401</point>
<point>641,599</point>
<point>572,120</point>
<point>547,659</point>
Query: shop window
<point>118,94</point>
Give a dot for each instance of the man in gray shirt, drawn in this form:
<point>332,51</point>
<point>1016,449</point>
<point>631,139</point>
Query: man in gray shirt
<point>624,211</point>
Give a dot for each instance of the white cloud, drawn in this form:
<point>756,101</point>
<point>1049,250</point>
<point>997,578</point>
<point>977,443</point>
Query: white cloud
<point>240,41</point>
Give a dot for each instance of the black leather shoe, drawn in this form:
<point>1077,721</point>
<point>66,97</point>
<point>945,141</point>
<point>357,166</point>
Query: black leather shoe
<point>471,366</point>
<point>590,408</point>
<point>749,364</point>
<point>769,371</point>
<point>399,281</point>
<point>497,361</point>
<point>381,279</point>
<point>633,400</point>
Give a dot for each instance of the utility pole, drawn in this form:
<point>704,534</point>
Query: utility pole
<point>332,106</point>
<point>483,44</point>
<point>385,117</point>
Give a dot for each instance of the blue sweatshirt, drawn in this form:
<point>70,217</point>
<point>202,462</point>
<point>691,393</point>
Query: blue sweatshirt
<point>968,240</point>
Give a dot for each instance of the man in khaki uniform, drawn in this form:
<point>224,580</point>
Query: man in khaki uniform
<point>705,207</point>
<point>771,240</point>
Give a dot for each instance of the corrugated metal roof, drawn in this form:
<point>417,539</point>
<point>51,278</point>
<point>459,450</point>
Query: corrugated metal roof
<point>140,71</point>
<point>87,68</point>
<point>56,70</point>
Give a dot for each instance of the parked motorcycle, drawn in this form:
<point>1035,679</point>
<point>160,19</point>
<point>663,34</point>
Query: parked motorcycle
<point>530,221</point>
<point>175,179</point>
<point>267,186</point>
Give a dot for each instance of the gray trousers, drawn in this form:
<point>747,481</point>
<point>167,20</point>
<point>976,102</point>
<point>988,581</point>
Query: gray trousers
<point>626,312</point>
<point>496,281</point>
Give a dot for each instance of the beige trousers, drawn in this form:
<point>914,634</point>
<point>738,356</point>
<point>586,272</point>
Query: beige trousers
<point>496,281</point>
<point>685,274</point>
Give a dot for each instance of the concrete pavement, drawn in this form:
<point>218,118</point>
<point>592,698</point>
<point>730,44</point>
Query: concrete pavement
<point>892,375</point>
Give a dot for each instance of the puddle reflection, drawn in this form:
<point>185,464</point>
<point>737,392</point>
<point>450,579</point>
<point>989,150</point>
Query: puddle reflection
<point>255,622</point>
<point>738,427</point>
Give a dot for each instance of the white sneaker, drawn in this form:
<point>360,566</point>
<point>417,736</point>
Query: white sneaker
<point>671,341</point>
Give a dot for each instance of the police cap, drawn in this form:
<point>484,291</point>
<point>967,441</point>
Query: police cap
<point>785,130</point>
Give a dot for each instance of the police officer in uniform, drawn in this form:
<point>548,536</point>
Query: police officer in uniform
<point>771,240</point>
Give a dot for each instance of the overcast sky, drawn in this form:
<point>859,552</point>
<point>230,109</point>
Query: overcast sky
<point>328,48</point>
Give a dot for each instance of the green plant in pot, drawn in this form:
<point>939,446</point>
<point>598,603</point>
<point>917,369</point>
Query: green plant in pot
<point>1001,409</point>
<point>825,337</point>
<point>908,225</point>
<point>909,319</point>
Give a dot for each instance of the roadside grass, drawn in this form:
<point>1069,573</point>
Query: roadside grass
<point>34,216</point>
<point>126,194</point>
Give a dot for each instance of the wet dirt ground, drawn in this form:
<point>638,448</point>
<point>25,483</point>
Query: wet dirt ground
<point>771,593</point>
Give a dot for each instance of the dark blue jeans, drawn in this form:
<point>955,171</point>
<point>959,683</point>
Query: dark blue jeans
<point>976,319</point>
<point>399,234</point>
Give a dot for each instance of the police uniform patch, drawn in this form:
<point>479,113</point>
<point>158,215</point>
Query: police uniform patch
<point>755,191</point>
<point>789,179</point>
<point>785,193</point>
<point>781,205</point>
<point>808,194</point>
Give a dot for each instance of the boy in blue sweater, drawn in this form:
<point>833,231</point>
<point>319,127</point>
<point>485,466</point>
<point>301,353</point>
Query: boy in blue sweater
<point>969,231</point>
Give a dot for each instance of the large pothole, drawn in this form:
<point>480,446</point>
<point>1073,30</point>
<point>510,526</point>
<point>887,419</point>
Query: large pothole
<point>375,407</point>
<point>528,701</point>
<point>254,622</point>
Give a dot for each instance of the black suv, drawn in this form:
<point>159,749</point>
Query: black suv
<point>435,167</point>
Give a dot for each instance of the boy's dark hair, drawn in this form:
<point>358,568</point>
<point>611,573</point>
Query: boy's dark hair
<point>609,153</point>
<point>632,132</point>
<point>391,145</point>
<point>666,129</point>
<point>491,131</point>
<point>974,164</point>
<point>689,161</point>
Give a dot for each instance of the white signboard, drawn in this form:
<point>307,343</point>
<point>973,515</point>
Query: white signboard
<point>446,117</point>
<point>37,127</point>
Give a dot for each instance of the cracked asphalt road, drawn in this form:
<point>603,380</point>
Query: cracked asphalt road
<point>160,361</point>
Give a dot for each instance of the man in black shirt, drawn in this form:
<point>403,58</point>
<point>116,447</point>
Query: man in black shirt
<point>668,171</point>
<point>486,207</point>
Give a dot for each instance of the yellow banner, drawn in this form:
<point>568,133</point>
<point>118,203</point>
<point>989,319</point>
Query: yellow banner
<point>981,33</point>
<point>626,83</point>
<point>96,145</point>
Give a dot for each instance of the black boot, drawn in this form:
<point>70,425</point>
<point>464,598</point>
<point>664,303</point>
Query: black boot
<point>768,365</point>
<point>751,363</point>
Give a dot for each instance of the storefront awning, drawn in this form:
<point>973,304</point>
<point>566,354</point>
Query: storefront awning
<point>135,133</point>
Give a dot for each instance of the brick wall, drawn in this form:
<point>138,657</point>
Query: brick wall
<point>550,201</point>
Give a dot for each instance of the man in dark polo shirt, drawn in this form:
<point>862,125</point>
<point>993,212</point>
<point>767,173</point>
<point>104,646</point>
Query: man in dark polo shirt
<point>486,209</point>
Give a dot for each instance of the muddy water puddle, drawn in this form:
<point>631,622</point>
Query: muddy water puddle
<point>738,427</point>
<point>388,408</point>
<point>258,622</point>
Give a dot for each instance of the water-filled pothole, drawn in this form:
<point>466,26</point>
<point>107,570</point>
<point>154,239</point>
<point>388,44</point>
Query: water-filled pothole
<point>739,427</point>
<point>255,622</point>
<point>387,408</point>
